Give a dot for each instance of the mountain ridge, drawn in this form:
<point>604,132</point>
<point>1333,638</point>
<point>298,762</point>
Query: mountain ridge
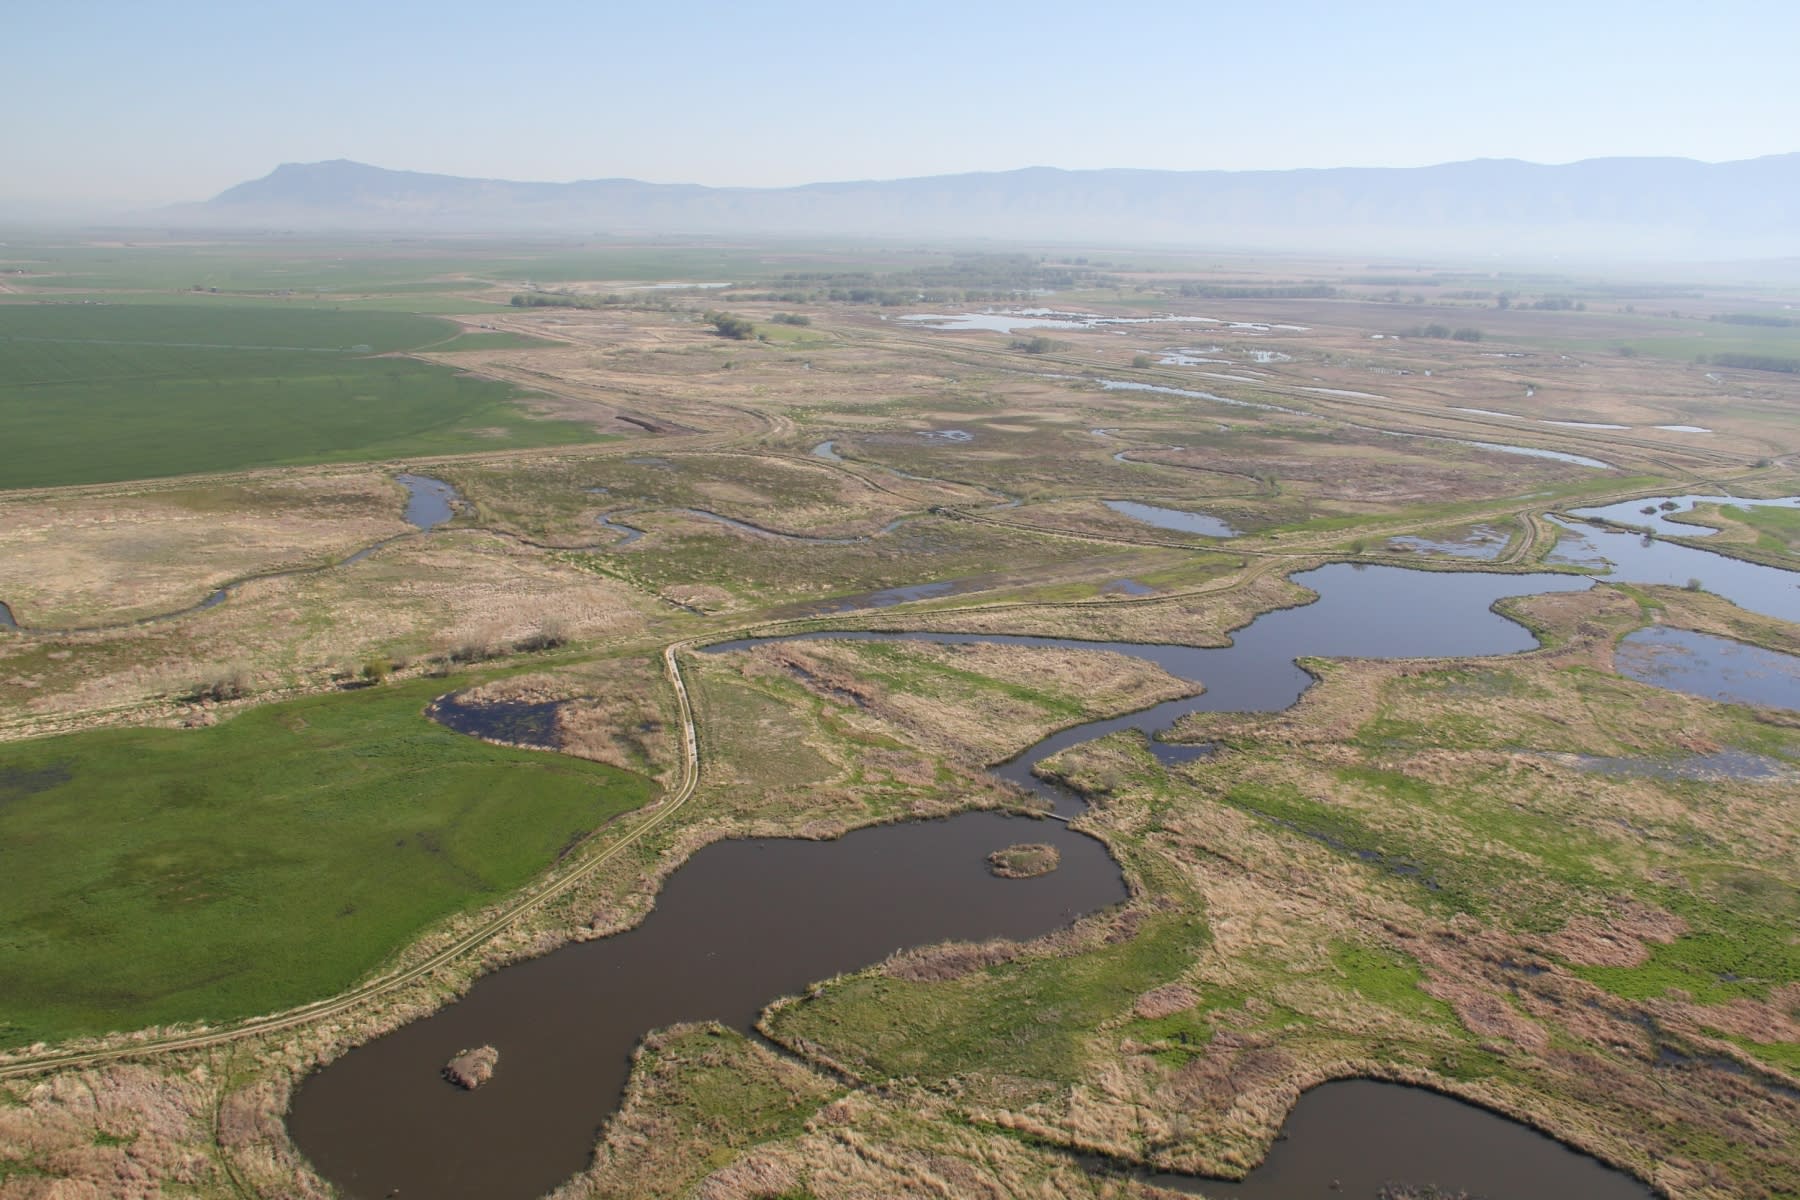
<point>1656,207</point>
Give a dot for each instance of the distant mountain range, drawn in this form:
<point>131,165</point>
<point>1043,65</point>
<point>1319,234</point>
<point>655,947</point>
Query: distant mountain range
<point>1638,207</point>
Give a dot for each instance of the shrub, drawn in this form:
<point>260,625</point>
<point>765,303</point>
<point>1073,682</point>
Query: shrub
<point>231,683</point>
<point>551,634</point>
<point>728,325</point>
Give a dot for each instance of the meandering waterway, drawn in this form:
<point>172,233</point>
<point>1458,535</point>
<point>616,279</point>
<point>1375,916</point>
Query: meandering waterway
<point>744,922</point>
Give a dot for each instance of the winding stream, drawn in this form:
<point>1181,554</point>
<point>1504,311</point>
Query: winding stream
<point>744,922</point>
<point>429,503</point>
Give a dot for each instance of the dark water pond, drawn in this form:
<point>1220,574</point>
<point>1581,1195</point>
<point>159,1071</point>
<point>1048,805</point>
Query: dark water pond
<point>1638,558</point>
<point>738,925</point>
<point>6,617</point>
<point>429,502</point>
<point>1352,1138</point>
<point>1173,518</point>
<point>744,922</point>
<point>1714,667</point>
<point>519,722</point>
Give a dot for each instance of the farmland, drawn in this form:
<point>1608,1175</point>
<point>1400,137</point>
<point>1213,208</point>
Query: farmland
<point>92,394</point>
<point>157,875</point>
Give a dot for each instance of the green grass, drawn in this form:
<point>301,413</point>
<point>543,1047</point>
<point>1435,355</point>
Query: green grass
<point>1030,1018</point>
<point>1777,529</point>
<point>153,875</point>
<point>1727,954</point>
<point>92,394</point>
<point>1389,980</point>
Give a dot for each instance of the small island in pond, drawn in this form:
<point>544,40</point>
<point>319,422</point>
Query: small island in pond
<point>1025,860</point>
<point>472,1068</point>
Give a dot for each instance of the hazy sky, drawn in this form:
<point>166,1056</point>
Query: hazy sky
<point>127,103</point>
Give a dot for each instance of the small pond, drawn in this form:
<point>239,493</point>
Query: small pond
<point>429,502</point>
<point>1173,519</point>
<point>1717,668</point>
<point>1353,1138</point>
<point>1483,543</point>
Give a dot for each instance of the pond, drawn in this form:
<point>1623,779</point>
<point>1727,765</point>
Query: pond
<point>429,502</point>
<point>1355,1137</point>
<point>1174,519</point>
<point>1717,668</point>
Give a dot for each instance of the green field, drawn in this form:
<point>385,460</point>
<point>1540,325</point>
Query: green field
<point>96,393</point>
<point>159,875</point>
<point>327,267</point>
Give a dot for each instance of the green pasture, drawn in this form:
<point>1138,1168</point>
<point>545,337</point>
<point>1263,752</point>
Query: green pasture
<point>157,875</point>
<point>97,393</point>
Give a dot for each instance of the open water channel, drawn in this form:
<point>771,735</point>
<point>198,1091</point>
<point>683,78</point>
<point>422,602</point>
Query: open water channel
<point>744,922</point>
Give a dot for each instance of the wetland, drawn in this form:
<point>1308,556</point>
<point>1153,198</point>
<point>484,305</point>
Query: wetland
<point>671,732</point>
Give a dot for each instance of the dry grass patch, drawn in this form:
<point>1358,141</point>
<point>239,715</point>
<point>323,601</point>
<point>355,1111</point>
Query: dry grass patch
<point>82,556</point>
<point>428,596</point>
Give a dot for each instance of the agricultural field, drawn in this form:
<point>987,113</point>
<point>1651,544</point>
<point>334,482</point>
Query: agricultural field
<point>93,394</point>
<point>286,767</point>
<point>158,875</point>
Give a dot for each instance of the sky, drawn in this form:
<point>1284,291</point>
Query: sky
<point>117,105</point>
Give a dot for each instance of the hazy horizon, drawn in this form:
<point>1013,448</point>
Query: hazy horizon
<point>179,102</point>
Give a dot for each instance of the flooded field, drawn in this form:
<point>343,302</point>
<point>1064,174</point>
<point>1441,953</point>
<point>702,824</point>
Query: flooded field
<point>1714,667</point>
<point>1483,543</point>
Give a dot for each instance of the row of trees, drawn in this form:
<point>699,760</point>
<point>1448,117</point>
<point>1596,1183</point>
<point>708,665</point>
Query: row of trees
<point>1435,330</point>
<point>1756,362</point>
<point>1763,319</point>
